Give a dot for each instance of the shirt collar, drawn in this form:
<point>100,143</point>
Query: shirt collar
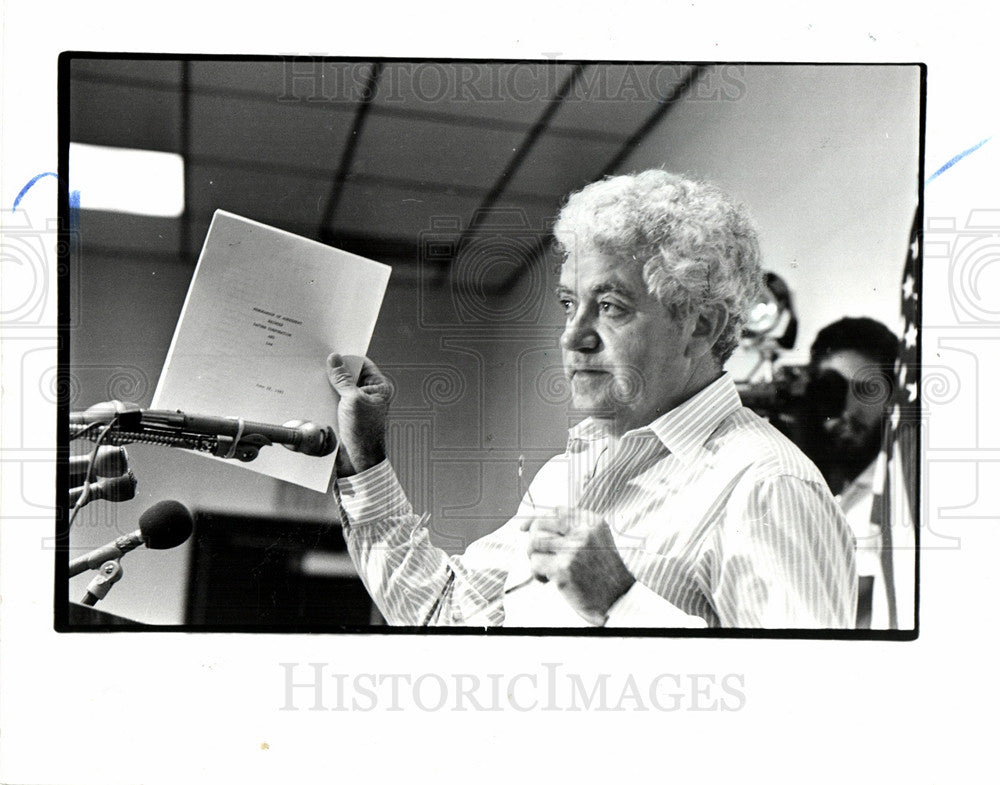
<point>685,428</point>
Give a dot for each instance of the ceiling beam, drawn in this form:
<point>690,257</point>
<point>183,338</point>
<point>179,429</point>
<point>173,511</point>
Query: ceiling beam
<point>347,157</point>
<point>540,126</point>
<point>637,137</point>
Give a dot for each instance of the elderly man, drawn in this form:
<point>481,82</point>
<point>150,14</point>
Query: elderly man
<point>672,505</point>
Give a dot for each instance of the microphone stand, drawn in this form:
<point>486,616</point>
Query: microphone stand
<point>108,574</point>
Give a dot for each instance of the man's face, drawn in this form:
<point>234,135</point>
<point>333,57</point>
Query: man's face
<point>623,354</point>
<point>857,432</point>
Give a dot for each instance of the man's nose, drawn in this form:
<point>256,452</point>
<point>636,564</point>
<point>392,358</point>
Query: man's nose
<point>579,334</point>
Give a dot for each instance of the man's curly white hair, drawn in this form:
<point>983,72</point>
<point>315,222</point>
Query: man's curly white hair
<point>696,246</point>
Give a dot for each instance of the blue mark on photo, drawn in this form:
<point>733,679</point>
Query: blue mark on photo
<point>74,198</point>
<point>958,158</point>
<point>30,183</point>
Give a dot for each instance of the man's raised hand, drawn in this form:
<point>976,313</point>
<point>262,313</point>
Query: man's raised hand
<point>361,414</point>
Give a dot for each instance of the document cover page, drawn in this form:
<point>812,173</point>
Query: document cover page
<point>264,309</point>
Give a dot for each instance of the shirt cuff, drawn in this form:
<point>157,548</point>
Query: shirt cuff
<point>640,606</point>
<point>372,495</point>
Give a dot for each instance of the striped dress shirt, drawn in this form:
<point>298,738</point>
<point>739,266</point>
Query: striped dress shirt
<point>722,521</point>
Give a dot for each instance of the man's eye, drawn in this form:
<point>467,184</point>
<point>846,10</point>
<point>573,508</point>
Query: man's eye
<point>611,309</point>
<point>567,305</point>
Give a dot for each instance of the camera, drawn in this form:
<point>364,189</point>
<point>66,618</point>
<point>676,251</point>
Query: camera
<point>794,397</point>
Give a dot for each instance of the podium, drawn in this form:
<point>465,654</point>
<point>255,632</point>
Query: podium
<point>260,572</point>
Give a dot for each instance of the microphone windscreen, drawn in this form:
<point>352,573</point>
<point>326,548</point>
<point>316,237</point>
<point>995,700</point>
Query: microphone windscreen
<point>166,525</point>
<point>116,489</point>
<point>120,489</point>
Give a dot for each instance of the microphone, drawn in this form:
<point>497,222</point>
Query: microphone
<point>109,462</point>
<point>231,436</point>
<point>113,489</point>
<point>297,435</point>
<point>165,525</point>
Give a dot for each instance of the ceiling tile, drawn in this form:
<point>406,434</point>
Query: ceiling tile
<point>120,115</point>
<point>392,211</point>
<point>269,133</point>
<point>617,98</point>
<point>433,152</point>
<point>271,198</point>
<point>557,165</point>
<point>288,80</point>
<point>163,72</point>
<point>98,229</point>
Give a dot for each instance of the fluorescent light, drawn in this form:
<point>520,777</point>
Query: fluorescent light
<point>123,180</point>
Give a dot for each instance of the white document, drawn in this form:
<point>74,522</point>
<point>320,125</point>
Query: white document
<point>264,310</point>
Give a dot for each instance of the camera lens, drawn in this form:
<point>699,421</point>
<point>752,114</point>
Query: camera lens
<point>826,394</point>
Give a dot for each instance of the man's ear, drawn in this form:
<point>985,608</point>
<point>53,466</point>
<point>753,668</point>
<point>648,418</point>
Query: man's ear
<point>706,329</point>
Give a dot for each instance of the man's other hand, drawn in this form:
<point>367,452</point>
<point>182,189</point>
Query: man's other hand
<point>575,550</point>
<point>361,414</point>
